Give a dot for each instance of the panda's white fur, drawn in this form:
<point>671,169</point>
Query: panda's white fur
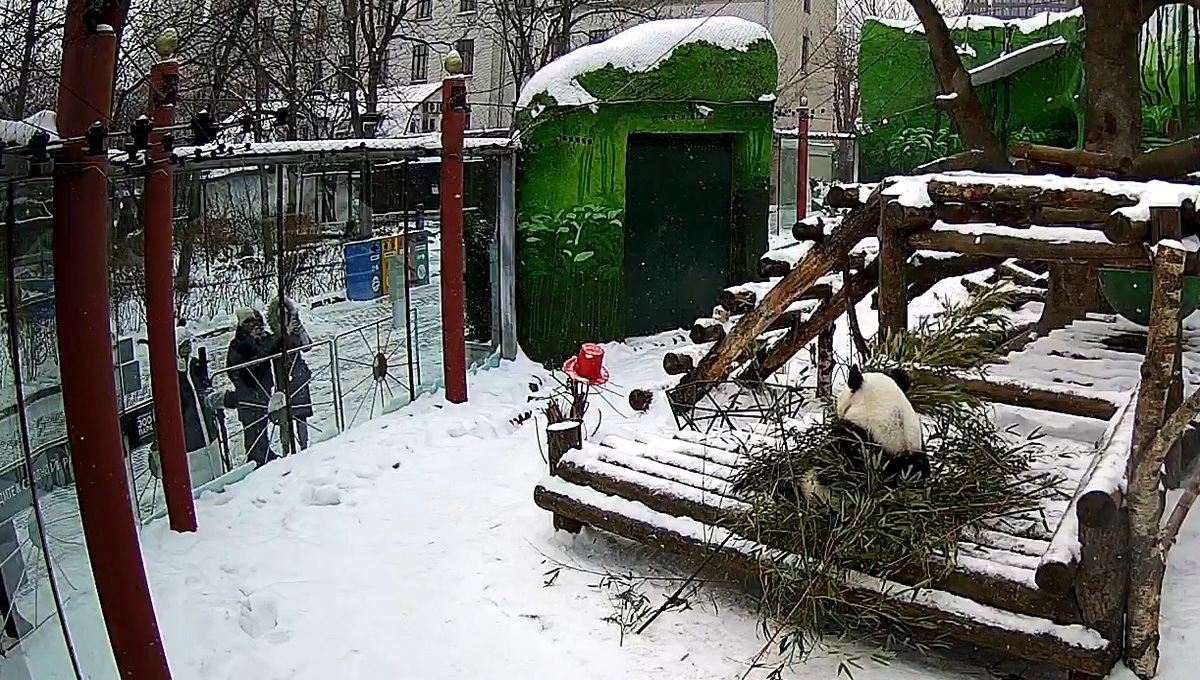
<point>882,409</point>
<point>875,403</point>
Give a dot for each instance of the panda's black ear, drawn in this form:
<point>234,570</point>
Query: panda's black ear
<point>901,378</point>
<point>855,380</point>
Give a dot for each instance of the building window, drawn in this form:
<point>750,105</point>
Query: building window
<point>465,6</point>
<point>805,46</point>
<point>322,23</point>
<point>598,35</point>
<point>420,63</point>
<point>808,6</point>
<point>424,9</point>
<point>466,50</point>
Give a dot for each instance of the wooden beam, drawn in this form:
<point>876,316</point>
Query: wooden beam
<point>1024,248</point>
<point>941,191</point>
<point>1071,158</point>
<point>824,256</point>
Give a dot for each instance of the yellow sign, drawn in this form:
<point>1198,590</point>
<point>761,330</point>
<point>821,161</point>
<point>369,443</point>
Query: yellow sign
<point>388,246</point>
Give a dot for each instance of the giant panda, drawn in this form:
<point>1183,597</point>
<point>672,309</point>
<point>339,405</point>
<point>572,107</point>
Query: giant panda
<point>873,411</point>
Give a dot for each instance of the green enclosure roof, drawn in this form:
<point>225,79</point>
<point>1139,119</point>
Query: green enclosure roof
<point>718,59</point>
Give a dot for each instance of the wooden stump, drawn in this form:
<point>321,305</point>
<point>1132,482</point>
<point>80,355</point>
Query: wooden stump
<point>1167,223</point>
<point>560,438</point>
<point>1073,291</point>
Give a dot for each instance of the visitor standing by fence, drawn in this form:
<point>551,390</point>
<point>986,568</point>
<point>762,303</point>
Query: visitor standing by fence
<point>285,319</point>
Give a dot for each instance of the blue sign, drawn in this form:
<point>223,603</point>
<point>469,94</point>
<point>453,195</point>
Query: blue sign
<point>364,270</point>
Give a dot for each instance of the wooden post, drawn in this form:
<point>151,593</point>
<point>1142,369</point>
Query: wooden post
<point>893,291</point>
<point>1144,495</point>
<point>825,361</point>
<point>1101,577</point>
<point>560,438</point>
<point>1167,223</point>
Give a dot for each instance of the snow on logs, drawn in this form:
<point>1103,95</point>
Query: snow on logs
<point>1094,503</point>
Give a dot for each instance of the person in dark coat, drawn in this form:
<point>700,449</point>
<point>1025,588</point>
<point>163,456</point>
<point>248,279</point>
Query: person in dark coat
<point>252,385</point>
<point>299,376</point>
<point>12,562</point>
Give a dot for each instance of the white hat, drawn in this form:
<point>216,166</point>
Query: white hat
<point>244,314</point>
<point>182,335</point>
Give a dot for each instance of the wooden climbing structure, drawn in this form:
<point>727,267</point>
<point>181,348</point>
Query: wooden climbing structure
<point>1053,587</point>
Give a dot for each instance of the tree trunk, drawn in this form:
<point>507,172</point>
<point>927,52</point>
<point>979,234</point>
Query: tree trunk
<point>971,122</point>
<point>1144,496</point>
<point>1113,112</point>
<point>1074,291</point>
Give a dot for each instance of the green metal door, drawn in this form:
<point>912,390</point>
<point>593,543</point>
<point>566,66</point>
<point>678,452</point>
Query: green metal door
<point>678,203</point>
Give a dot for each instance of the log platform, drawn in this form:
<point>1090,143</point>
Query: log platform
<point>674,491</point>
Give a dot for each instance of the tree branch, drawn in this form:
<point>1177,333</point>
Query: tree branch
<point>970,119</point>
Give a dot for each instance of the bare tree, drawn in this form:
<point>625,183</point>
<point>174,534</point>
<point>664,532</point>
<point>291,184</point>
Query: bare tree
<point>533,33</point>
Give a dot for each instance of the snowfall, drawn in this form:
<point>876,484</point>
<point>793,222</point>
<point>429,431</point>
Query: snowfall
<point>410,547</point>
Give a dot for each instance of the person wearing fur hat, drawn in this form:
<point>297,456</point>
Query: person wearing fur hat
<point>252,385</point>
<point>287,326</point>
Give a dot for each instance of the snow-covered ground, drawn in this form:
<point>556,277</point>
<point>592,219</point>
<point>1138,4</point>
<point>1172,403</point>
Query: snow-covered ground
<point>410,547</point>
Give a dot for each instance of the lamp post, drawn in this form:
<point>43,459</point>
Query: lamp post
<point>160,291</point>
<point>454,341</point>
<point>802,161</point>
<point>366,214</point>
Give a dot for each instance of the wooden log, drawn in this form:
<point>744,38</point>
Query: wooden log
<point>737,558</point>
<point>893,259</point>
<point>710,330</point>
<point>1100,495</point>
<point>1058,567</point>
<point>706,330</point>
<point>923,276</point>
<point>1008,214</point>
<point>1071,158</point>
<point>640,400</point>
<point>1173,160</point>
<point>821,259</point>
<point>1101,578</point>
<point>804,230</point>
<point>777,262</point>
<point>846,196</point>
<point>1021,275</point>
<point>1013,393</point>
<point>1019,296</point>
<point>741,299</point>
<point>853,290</point>
<point>1144,493</point>
<point>678,362</point>
<point>825,361</point>
<point>942,191</point>
<point>1025,248</point>
<point>560,438</point>
<point>1167,223</point>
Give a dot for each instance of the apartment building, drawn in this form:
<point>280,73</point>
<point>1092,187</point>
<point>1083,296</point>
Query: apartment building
<point>1016,9</point>
<point>497,37</point>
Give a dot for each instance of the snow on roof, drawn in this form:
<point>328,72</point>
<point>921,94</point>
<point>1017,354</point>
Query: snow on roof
<point>18,132</point>
<point>415,145</point>
<point>1007,64</point>
<point>637,50</point>
<point>977,23</point>
<point>398,106</point>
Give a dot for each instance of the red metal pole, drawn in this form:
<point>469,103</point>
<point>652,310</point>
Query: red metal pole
<point>160,303</point>
<point>454,345</point>
<point>802,163</point>
<point>85,345</point>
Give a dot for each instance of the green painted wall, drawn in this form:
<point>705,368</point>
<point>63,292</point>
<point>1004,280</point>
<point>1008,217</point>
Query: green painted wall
<point>571,184</point>
<point>1039,104</point>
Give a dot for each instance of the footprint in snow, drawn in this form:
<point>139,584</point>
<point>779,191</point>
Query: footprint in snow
<point>321,495</point>
<point>258,616</point>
